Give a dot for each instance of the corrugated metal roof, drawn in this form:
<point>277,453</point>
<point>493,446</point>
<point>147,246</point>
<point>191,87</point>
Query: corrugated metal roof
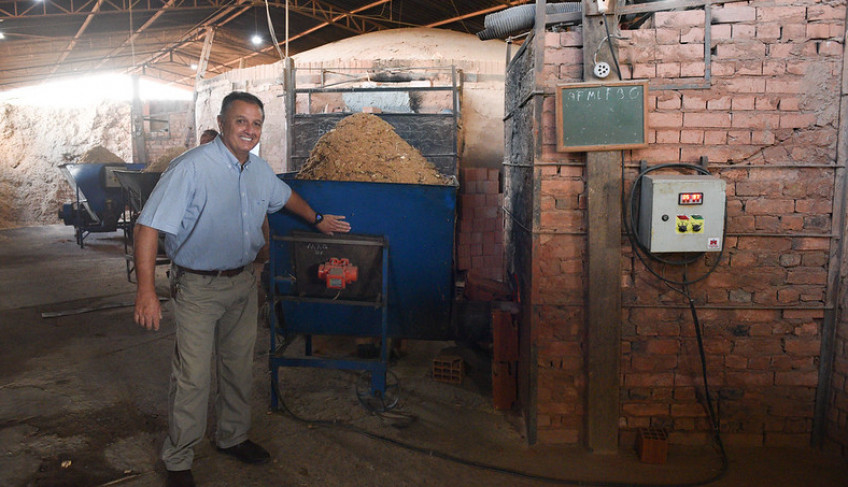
<point>49,39</point>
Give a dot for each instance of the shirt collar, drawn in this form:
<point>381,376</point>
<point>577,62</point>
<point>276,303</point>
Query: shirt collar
<point>231,159</point>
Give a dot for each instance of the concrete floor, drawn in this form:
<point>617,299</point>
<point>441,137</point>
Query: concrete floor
<point>83,403</point>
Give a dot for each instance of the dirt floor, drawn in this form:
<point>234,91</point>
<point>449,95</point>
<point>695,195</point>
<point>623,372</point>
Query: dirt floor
<point>83,403</point>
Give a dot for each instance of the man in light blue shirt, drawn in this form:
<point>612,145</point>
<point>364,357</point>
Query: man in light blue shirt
<point>210,203</point>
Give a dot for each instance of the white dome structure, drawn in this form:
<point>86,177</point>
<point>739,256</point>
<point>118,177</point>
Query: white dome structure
<point>412,44</point>
<point>481,64</point>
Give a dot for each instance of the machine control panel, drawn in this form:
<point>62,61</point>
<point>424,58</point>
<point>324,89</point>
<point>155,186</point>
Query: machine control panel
<point>682,213</point>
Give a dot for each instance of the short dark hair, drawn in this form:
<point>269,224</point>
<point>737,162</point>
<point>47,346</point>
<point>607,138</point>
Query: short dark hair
<point>243,96</point>
<point>210,132</point>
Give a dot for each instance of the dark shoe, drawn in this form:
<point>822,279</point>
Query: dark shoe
<point>180,478</point>
<point>248,452</point>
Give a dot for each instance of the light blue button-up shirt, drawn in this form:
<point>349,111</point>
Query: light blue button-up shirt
<point>211,209</point>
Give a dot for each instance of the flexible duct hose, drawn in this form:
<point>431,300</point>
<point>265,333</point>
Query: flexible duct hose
<point>517,19</point>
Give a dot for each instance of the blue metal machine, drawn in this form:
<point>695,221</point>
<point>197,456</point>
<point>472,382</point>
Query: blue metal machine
<point>402,236</point>
<point>392,277</point>
<point>137,186</point>
<point>100,201</point>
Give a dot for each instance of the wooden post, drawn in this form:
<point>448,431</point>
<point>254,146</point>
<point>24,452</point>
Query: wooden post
<point>531,407</point>
<point>137,126</point>
<point>289,87</point>
<point>835,275</point>
<point>202,63</point>
<point>603,173</point>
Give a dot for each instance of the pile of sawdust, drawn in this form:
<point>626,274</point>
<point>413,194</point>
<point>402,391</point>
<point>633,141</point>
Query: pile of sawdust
<point>363,147</point>
<point>99,155</point>
<point>159,165</point>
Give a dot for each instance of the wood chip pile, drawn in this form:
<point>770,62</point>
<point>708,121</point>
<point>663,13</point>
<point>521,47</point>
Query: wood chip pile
<point>98,155</point>
<point>363,147</point>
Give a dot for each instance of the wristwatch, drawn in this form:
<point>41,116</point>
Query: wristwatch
<point>318,218</point>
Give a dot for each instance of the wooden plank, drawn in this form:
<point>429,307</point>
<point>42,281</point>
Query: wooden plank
<point>290,84</point>
<point>519,205</point>
<point>137,121</point>
<point>666,5</point>
<point>604,307</point>
<point>835,276</point>
<point>603,172</point>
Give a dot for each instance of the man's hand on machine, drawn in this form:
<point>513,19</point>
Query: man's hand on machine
<point>333,223</point>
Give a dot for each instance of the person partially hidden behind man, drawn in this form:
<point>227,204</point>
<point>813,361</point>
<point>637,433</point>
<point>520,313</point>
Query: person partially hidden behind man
<point>210,203</point>
<point>208,135</point>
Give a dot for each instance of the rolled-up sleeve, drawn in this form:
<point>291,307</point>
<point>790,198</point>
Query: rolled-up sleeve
<point>167,205</point>
<point>280,194</point>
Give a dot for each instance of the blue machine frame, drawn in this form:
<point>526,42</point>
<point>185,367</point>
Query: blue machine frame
<point>416,223</point>
<point>137,186</point>
<point>377,368</point>
<point>100,203</point>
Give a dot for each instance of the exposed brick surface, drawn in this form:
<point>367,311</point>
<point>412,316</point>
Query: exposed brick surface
<point>771,102</point>
<point>163,139</point>
<point>733,13</point>
<point>479,248</point>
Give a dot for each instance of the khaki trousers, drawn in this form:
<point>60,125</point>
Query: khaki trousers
<point>215,319</point>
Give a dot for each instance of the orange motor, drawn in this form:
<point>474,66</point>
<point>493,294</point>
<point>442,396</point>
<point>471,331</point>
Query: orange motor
<point>337,273</point>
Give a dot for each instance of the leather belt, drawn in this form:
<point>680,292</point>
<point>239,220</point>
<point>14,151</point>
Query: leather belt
<point>224,273</point>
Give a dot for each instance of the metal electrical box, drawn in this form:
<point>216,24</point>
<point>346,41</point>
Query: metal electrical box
<point>682,213</point>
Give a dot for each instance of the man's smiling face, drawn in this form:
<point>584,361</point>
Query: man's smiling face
<point>241,127</point>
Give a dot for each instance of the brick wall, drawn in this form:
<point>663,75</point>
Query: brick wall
<point>768,124</point>
<point>479,233</point>
<point>165,129</point>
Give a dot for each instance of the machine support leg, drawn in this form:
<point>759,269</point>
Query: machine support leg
<point>378,379</point>
<point>374,387</point>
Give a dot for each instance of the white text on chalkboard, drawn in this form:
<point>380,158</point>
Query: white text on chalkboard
<point>603,93</point>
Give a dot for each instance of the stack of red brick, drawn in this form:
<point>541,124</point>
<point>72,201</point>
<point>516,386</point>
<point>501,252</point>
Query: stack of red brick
<point>479,248</point>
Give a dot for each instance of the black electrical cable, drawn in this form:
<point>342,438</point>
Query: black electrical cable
<point>641,251</point>
<point>611,48</point>
<point>378,405</point>
<point>284,409</point>
<point>715,422</point>
<point>713,418</point>
<point>633,229</point>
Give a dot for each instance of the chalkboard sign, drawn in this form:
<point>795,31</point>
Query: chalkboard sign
<point>602,116</point>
